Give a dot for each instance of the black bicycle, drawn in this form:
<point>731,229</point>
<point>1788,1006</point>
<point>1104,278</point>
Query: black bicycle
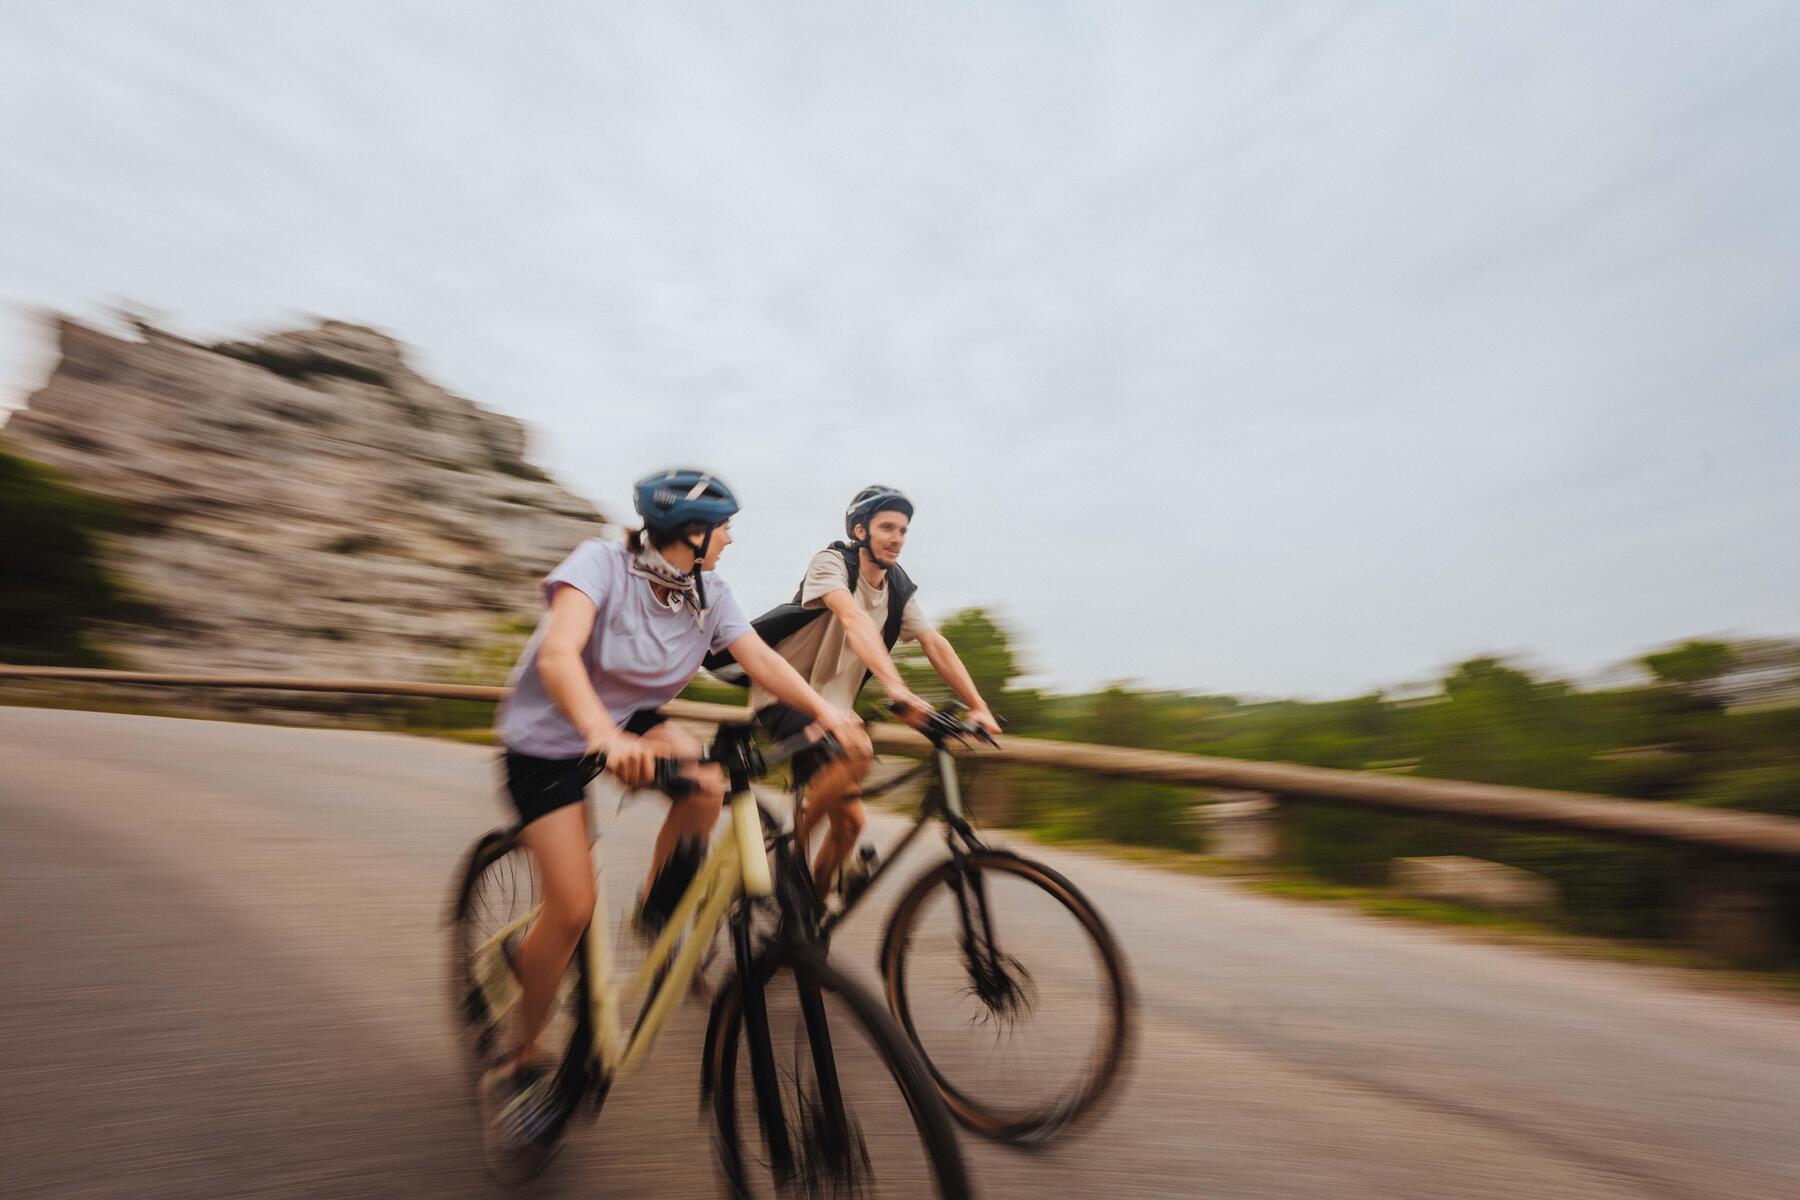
<point>1003,975</point>
<point>811,1083</point>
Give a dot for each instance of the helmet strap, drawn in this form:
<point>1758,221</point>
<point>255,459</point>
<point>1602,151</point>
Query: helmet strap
<point>699,573</point>
<point>862,543</point>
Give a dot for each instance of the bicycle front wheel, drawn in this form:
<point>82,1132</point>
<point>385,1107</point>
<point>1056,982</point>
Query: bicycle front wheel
<point>1014,991</point>
<point>844,1106</point>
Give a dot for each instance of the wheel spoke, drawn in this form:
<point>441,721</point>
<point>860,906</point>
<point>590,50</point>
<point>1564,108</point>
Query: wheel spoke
<point>1023,1033</point>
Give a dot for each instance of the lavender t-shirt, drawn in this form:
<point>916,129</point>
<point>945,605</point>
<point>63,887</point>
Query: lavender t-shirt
<point>640,655</point>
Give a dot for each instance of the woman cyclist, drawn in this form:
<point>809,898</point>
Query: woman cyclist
<point>626,629</point>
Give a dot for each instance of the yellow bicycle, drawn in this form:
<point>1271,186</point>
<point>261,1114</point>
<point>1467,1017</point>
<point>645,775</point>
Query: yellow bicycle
<point>811,1083</point>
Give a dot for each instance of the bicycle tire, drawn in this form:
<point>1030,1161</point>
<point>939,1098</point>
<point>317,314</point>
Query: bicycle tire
<point>1054,1117</point>
<point>481,1031</point>
<point>931,1121</point>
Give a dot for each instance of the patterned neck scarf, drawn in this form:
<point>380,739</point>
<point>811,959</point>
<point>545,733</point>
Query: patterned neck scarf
<point>648,564</point>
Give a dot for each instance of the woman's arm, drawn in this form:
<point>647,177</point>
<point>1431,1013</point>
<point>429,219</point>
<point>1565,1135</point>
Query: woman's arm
<point>560,666</point>
<point>778,677</point>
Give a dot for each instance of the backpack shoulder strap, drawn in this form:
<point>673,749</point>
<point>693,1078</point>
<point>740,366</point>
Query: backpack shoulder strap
<point>900,591</point>
<point>775,626</point>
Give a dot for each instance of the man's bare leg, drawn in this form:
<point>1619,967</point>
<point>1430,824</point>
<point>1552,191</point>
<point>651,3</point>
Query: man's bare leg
<point>834,795</point>
<point>697,812</point>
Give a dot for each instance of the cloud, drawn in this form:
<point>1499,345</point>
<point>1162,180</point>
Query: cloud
<point>1276,348</point>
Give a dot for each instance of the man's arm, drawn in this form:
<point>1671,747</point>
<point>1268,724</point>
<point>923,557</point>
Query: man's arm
<point>943,659</point>
<point>865,639</point>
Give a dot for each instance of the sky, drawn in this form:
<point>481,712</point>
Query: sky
<point>1281,349</point>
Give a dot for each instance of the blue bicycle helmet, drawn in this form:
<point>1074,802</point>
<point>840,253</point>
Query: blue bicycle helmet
<point>683,496</point>
<point>672,500</point>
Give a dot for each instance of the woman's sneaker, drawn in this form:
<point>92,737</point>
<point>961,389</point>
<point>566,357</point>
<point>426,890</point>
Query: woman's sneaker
<point>521,1118</point>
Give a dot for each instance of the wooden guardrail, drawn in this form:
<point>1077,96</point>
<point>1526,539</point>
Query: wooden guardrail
<point>1735,833</point>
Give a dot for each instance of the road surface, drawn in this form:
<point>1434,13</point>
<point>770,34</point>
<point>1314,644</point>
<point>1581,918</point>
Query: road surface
<point>223,976</point>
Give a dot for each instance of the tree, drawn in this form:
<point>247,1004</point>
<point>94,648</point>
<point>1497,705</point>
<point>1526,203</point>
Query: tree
<point>1496,724</point>
<point>55,590</point>
<point>985,648</point>
<point>1694,670</point>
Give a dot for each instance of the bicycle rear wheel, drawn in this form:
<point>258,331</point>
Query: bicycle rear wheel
<point>1014,991</point>
<point>497,891</point>
<point>894,1137</point>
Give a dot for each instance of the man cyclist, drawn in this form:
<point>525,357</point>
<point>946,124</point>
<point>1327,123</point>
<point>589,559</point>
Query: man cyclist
<point>853,606</point>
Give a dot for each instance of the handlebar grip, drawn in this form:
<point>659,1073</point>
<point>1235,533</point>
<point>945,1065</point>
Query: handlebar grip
<point>669,779</point>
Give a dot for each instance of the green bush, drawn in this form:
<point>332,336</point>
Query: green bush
<point>56,592</point>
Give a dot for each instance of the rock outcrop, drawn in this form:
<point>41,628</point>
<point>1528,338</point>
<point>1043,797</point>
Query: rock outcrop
<point>309,503</point>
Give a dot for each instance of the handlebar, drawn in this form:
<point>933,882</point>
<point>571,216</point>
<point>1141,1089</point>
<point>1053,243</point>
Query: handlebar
<point>732,748</point>
<point>945,724</point>
<point>667,776</point>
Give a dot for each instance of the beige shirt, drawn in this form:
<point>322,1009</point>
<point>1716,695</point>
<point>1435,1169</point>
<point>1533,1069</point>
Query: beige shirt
<point>821,652</point>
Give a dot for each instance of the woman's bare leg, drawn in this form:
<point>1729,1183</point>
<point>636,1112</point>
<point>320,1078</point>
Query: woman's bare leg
<point>558,842</point>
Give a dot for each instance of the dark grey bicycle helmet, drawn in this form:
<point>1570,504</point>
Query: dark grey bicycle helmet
<point>683,496</point>
<point>876,498</point>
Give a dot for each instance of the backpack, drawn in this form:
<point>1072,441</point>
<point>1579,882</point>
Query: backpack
<point>785,620</point>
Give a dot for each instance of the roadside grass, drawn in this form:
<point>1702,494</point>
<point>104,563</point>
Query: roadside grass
<point>1288,884</point>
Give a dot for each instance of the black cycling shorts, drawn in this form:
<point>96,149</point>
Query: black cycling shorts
<point>539,786</point>
<point>781,722</point>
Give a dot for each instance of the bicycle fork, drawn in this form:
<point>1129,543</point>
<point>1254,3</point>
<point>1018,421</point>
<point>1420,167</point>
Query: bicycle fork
<point>825,1121</point>
<point>987,967</point>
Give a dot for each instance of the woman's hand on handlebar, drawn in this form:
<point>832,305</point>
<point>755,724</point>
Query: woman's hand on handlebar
<point>628,758</point>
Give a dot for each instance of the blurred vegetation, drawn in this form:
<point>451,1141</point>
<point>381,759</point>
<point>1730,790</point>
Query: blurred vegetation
<point>1707,723</point>
<point>56,592</point>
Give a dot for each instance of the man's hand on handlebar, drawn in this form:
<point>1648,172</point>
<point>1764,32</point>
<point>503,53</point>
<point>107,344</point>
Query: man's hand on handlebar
<point>984,720</point>
<point>947,723</point>
<point>906,704</point>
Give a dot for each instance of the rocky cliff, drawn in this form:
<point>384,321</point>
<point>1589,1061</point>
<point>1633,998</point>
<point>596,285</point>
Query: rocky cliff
<point>307,504</point>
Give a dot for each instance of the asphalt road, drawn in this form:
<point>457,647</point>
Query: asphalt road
<point>221,974</point>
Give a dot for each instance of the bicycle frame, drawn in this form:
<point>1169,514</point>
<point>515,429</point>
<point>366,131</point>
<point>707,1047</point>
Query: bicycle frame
<point>736,864</point>
<point>945,804</point>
